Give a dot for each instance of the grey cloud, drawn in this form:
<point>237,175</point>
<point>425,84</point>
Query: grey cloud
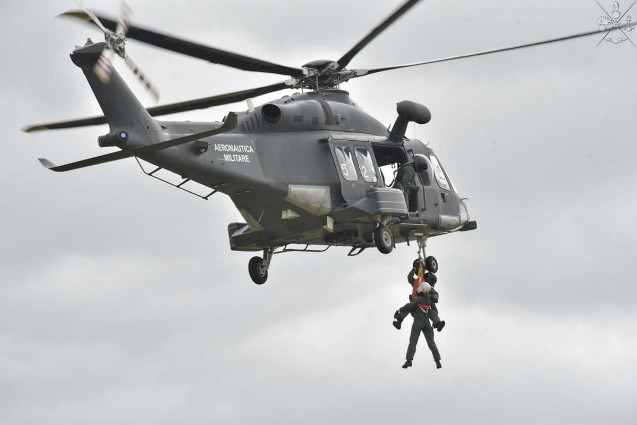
<point>120,301</point>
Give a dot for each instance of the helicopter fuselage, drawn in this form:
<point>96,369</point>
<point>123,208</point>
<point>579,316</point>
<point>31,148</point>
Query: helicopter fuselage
<point>305,169</point>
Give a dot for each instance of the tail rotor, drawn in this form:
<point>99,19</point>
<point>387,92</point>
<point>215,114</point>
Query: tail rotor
<point>116,45</point>
<point>141,77</point>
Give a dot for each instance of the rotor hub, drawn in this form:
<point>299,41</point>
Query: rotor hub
<point>323,74</point>
<point>117,43</point>
<point>321,65</point>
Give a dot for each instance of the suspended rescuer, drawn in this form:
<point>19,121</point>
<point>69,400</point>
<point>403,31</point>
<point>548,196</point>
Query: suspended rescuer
<point>425,296</point>
<point>420,314</point>
<point>430,297</point>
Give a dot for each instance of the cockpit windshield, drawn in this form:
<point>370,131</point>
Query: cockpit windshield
<point>440,174</point>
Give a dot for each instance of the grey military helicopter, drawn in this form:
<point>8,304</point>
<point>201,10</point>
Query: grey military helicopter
<point>304,170</point>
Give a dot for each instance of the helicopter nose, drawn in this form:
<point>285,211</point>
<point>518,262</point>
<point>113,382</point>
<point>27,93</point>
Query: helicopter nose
<point>464,213</point>
<point>465,222</point>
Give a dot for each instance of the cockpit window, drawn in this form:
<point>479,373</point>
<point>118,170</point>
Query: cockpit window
<point>439,173</point>
<point>346,163</point>
<point>366,165</point>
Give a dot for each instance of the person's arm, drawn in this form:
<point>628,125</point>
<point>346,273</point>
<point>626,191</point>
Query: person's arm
<point>408,308</point>
<point>433,295</point>
<point>410,277</point>
<point>410,177</point>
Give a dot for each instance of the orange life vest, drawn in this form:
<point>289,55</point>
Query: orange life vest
<point>414,293</point>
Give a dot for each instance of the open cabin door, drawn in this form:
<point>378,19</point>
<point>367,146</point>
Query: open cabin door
<point>357,168</point>
<point>428,199</point>
<point>362,186</point>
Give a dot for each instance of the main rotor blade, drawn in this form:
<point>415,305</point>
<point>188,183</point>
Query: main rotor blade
<point>363,72</point>
<point>171,108</point>
<point>228,124</point>
<point>193,49</point>
<point>347,57</point>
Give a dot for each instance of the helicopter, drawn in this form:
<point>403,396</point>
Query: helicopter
<point>306,169</point>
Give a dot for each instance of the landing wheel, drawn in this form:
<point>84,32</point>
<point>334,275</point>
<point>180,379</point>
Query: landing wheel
<point>431,264</point>
<point>258,272</point>
<point>384,239</point>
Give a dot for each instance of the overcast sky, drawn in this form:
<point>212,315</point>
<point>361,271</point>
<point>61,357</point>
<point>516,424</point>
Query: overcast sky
<point>120,301</point>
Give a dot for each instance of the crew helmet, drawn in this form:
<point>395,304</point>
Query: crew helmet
<point>431,278</point>
<point>420,163</point>
<point>423,287</point>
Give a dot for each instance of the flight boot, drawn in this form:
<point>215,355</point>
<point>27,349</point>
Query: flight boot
<point>397,323</point>
<point>407,364</point>
<point>438,365</point>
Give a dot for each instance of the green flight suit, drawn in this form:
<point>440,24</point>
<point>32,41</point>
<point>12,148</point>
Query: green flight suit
<point>421,322</point>
<point>432,314</point>
<point>406,181</point>
<point>430,298</point>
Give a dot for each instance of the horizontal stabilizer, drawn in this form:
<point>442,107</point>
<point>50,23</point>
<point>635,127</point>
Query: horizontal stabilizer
<point>228,124</point>
<point>82,122</point>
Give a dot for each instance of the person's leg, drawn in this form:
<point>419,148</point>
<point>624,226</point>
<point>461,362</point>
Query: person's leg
<point>435,319</point>
<point>433,316</point>
<point>403,311</point>
<point>416,328</point>
<point>428,332</point>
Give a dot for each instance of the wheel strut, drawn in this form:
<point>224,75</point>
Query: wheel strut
<point>422,244</point>
<point>267,257</point>
<point>431,264</point>
<point>258,267</point>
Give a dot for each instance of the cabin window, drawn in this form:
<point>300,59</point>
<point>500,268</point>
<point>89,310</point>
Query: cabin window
<point>439,173</point>
<point>366,165</point>
<point>346,163</point>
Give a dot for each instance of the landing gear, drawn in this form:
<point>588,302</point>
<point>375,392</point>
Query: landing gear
<point>258,273</point>
<point>258,267</point>
<point>431,264</point>
<point>383,239</point>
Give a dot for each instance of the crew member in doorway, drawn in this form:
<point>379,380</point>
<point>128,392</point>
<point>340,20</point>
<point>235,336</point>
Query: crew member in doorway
<point>406,181</point>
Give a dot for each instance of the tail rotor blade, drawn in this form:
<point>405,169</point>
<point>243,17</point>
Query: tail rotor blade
<point>91,15</point>
<point>124,18</point>
<point>104,66</point>
<point>142,78</point>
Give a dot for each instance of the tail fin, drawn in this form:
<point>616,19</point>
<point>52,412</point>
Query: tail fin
<point>120,106</point>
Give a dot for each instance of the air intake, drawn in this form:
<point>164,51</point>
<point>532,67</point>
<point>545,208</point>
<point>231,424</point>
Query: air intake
<point>408,111</point>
